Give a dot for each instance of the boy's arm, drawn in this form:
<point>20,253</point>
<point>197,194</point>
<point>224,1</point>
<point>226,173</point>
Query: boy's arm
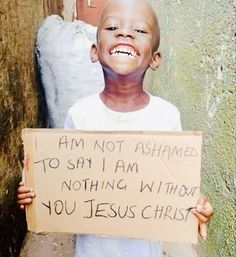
<point>25,195</point>
<point>203,212</point>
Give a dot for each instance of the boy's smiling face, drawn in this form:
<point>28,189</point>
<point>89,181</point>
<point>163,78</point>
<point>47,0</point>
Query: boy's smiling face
<point>128,34</point>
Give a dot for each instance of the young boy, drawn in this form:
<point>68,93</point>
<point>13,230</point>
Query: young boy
<point>127,45</point>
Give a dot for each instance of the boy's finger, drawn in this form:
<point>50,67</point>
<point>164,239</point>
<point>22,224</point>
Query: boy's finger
<point>23,189</point>
<point>203,230</point>
<point>22,207</point>
<point>21,183</point>
<point>25,195</point>
<point>199,215</point>
<point>24,201</point>
<point>202,201</point>
<point>207,210</point>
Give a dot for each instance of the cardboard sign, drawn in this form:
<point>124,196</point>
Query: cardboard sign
<point>131,184</point>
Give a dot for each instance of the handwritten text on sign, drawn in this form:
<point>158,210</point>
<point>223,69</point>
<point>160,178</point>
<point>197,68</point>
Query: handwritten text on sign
<point>132,184</point>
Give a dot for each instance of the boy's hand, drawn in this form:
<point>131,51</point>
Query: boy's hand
<point>25,195</point>
<point>203,211</point>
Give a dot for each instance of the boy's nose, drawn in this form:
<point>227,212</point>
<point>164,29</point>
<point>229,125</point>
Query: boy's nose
<point>125,32</point>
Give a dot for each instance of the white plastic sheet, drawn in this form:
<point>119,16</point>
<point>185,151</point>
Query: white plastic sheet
<point>67,73</point>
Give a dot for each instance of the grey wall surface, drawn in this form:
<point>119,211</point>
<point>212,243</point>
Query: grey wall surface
<point>197,74</point>
<point>21,106</point>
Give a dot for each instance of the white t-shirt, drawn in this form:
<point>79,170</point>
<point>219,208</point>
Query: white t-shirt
<point>90,113</point>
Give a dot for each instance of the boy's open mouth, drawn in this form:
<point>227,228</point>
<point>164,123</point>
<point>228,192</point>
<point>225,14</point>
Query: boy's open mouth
<point>124,50</point>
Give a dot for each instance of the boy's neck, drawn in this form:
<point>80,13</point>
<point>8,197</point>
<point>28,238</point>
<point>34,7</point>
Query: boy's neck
<point>124,95</point>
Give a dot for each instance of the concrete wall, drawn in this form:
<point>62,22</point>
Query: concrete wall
<point>197,75</point>
<point>21,106</point>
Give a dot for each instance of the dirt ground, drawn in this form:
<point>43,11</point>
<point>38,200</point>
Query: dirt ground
<point>58,244</point>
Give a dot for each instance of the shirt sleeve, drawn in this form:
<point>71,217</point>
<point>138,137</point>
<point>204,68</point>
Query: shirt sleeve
<point>178,126</point>
<point>69,124</point>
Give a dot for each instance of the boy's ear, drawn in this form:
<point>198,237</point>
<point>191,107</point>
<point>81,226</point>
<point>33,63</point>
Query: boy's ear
<point>94,53</point>
<point>156,60</point>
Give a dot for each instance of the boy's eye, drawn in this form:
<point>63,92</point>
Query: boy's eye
<point>141,31</point>
<point>111,28</point>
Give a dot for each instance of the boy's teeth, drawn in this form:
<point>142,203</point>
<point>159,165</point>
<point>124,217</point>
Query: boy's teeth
<point>123,51</point>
